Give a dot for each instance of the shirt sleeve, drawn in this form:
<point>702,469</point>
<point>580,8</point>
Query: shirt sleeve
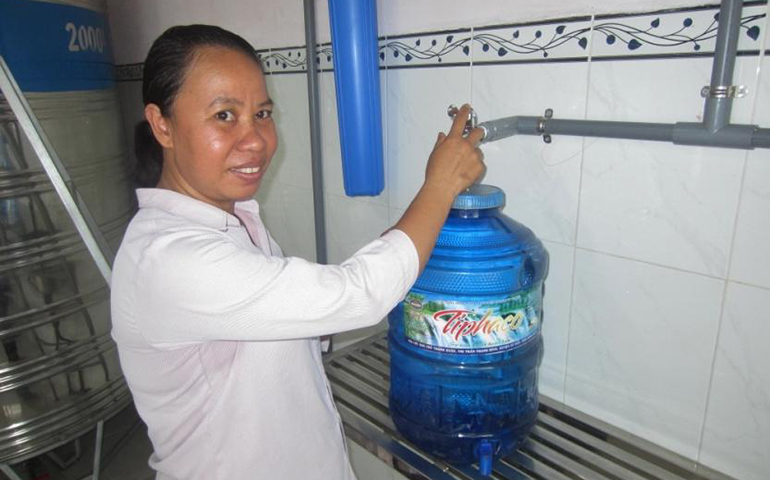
<point>202,286</point>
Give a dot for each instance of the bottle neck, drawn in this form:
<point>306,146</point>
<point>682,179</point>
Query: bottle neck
<point>473,213</point>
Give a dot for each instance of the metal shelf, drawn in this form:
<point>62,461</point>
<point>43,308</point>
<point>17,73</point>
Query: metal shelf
<point>564,445</point>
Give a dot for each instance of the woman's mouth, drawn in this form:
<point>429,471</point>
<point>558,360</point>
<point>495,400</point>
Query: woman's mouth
<point>247,170</point>
<point>248,174</point>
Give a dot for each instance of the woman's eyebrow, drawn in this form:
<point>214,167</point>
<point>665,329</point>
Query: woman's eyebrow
<point>225,101</point>
<point>234,101</point>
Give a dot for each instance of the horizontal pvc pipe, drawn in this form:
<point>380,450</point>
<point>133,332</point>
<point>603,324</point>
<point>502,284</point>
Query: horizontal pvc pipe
<point>761,138</point>
<point>629,130</point>
<point>506,127</point>
<point>730,136</point>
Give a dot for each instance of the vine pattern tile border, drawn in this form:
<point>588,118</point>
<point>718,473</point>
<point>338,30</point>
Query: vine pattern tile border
<point>434,49</point>
<point>687,32</point>
<point>284,60</point>
<point>567,39</point>
<point>674,33</point>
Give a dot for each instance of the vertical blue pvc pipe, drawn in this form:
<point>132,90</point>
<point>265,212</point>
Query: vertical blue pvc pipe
<point>357,80</point>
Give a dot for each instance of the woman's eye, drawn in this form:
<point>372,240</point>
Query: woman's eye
<point>264,114</point>
<point>225,116</point>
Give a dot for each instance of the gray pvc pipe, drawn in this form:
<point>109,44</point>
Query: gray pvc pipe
<point>629,130</point>
<point>505,127</point>
<point>715,131</point>
<point>315,133</point>
<point>730,136</point>
<point>717,110</point>
<point>761,138</point>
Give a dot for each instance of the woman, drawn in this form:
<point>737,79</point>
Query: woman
<point>217,332</point>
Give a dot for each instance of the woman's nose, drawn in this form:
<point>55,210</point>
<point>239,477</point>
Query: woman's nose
<point>254,138</point>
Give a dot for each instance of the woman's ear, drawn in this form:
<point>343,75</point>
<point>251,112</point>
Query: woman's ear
<point>159,124</point>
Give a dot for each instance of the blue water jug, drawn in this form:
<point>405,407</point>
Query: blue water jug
<point>465,344</point>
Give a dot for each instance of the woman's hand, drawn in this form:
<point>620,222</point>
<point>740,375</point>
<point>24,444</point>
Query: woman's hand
<point>456,160</point>
<point>453,166</point>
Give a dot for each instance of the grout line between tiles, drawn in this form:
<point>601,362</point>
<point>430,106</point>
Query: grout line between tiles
<point>470,95</point>
<point>653,264</point>
<point>731,252</point>
<point>577,214</point>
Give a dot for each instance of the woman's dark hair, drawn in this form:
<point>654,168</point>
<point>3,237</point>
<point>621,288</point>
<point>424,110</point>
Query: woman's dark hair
<point>164,72</point>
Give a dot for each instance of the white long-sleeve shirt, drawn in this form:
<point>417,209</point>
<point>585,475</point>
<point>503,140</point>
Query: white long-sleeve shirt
<point>218,339</point>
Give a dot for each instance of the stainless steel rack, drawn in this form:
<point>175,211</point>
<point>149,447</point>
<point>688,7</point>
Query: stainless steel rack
<point>564,445</point>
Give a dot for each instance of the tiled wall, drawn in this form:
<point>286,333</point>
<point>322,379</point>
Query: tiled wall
<point>659,291</point>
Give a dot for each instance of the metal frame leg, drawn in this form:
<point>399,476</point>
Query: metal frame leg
<point>9,472</point>
<point>98,450</point>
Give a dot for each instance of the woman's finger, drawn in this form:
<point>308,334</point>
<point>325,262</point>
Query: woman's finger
<point>476,136</point>
<point>439,139</point>
<point>458,125</point>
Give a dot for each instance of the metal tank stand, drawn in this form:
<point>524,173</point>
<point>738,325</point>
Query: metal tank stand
<point>564,445</point>
<point>73,203</point>
<point>12,475</point>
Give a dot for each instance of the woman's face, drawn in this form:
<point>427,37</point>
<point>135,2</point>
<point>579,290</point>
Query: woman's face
<point>220,136</point>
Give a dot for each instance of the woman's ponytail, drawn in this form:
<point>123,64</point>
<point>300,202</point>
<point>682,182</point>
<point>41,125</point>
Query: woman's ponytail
<point>149,156</point>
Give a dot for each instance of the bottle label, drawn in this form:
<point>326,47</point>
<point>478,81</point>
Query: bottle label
<point>488,326</point>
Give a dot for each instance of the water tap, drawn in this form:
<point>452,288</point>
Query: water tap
<point>470,124</point>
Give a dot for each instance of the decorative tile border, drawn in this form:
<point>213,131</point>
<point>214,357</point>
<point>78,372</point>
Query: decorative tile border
<point>284,60</point>
<point>429,49</point>
<point>675,33</point>
<point>671,33</point>
<point>563,40</point>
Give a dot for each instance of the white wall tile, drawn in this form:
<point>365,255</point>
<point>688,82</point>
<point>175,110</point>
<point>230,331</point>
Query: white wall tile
<point>291,162</point>
<point>641,342</point>
<point>736,437</point>
<point>394,215</point>
<point>751,250</point>
<point>665,204</point>
<point>288,213</point>
<point>540,180</point>
<point>662,90</point>
<point>416,111</point>
<point>350,224</point>
<point>653,201</point>
<point>405,16</point>
<point>134,24</point>
<point>558,289</point>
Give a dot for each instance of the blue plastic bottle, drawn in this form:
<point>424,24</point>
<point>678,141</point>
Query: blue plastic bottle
<point>465,344</point>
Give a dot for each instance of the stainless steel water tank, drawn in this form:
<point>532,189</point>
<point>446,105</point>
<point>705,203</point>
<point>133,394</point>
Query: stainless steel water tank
<point>59,372</point>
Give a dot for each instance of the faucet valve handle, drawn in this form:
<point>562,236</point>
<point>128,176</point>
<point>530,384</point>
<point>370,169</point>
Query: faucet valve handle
<point>470,124</point>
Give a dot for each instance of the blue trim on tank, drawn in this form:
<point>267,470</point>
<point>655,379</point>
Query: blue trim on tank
<point>51,47</point>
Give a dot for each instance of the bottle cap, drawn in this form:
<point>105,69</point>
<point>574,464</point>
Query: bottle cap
<point>479,197</point>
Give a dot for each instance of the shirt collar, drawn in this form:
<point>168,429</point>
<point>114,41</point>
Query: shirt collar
<point>193,209</point>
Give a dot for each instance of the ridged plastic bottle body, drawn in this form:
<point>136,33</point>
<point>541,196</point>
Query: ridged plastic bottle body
<point>465,344</point>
